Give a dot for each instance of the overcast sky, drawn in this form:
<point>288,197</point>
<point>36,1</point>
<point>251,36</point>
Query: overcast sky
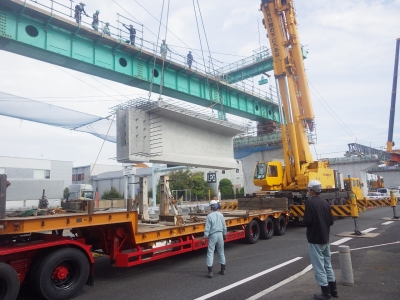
<point>349,67</point>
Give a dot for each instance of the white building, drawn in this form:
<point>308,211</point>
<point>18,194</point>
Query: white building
<point>82,174</point>
<point>29,177</point>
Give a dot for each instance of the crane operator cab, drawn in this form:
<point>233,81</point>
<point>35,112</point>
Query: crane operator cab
<point>268,175</point>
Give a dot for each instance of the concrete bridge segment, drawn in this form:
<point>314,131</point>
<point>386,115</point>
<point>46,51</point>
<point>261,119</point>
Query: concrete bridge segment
<point>160,132</point>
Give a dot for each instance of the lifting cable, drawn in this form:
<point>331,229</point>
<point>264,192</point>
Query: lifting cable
<point>101,148</point>
<point>202,54</point>
<point>212,64</point>
<point>154,57</point>
<point>163,61</point>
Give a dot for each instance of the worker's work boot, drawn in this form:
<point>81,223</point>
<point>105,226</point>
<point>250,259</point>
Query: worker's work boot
<point>222,272</point>
<point>325,295</point>
<point>210,272</point>
<point>333,289</point>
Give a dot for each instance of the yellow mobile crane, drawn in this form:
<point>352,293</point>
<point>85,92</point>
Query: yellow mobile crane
<point>300,168</point>
<point>297,117</point>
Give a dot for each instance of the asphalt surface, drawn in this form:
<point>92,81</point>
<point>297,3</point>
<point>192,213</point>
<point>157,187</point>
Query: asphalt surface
<point>260,271</point>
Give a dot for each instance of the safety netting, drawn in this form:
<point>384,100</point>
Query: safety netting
<point>45,113</point>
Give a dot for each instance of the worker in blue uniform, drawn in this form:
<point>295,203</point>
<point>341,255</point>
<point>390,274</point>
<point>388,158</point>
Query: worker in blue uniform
<point>215,231</point>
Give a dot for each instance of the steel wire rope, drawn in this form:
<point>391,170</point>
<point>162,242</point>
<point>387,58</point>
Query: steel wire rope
<point>335,117</point>
<point>163,61</point>
<point>333,114</point>
<point>164,26</point>
<point>101,148</point>
<point>154,57</point>
<point>212,64</point>
<point>202,53</point>
<point>187,46</point>
<point>87,83</point>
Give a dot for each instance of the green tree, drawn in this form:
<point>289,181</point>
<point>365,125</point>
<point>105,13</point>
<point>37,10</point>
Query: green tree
<point>186,180</point>
<point>199,186</point>
<point>239,193</point>
<point>66,191</point>
<point>112,194</point>
<point>226,187</point>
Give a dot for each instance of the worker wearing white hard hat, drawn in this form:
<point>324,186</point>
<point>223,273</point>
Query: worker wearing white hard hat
<point>318,219</point>
<point>215,231</point>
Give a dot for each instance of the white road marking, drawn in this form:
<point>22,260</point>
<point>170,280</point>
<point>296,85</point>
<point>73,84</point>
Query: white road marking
<point>387,223</point>
<point>247,279</point>
<point>373,246</point>
<point>308,268</point>
<point>279,284</point>
<point>341,241</point>
<point>368,230</point>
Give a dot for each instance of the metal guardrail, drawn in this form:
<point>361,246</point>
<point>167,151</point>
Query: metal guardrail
<point>259,54</point>
<point>154,47</point>
<point>253,141</point>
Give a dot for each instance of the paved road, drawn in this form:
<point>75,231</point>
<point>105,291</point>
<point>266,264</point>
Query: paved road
<point>256,270</point>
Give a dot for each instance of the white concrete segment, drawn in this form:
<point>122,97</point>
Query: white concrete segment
<point>160,132</point>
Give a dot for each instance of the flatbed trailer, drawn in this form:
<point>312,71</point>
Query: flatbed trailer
<point>39,251</point>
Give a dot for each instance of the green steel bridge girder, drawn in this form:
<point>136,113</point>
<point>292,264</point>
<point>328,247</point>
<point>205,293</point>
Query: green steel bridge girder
<point>35,33</point>
<point>252,70</point>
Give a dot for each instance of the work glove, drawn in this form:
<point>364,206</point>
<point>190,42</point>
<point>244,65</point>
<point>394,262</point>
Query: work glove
<point>224,237</point>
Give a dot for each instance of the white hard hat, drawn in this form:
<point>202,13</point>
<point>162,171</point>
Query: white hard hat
<point>315,185</point>
<point>213,202</point>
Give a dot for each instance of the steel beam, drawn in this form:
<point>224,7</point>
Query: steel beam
<point>26,30</point>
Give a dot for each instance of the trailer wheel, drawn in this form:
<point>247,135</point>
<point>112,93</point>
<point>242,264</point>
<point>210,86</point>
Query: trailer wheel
<point>9,282</point>
<point>252,232</point>
<point>267,229</point>
<point>280,226</point>
<point>62,274</point>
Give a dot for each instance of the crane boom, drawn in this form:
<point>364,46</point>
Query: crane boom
<point>390,143</point>
<point>281,25</point>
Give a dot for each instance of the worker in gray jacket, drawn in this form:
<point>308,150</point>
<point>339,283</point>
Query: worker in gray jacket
<point>215,231</point>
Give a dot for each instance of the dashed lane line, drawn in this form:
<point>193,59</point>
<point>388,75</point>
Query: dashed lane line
<point>308,268</point>
<point>247,279</point>
<point>341,241</point>
<point>387,223</point>
<point>279,284</point>
<point>368,230</point>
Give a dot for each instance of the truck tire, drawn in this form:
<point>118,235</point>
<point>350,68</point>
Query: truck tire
<point>9,282</point>
<point>252,232</point>
<point>62,274</point>
<point>280,225</point>
<point>267,229</point>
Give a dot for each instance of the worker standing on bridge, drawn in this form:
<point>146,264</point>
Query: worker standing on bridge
<point>190,59</point>
<point>215,231</point>
<point>318,219</point>
<point>132,33</point>
<point>106,29</point>
<point>95,23</point>
<point>79,9</point>
<point>164,49</point>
